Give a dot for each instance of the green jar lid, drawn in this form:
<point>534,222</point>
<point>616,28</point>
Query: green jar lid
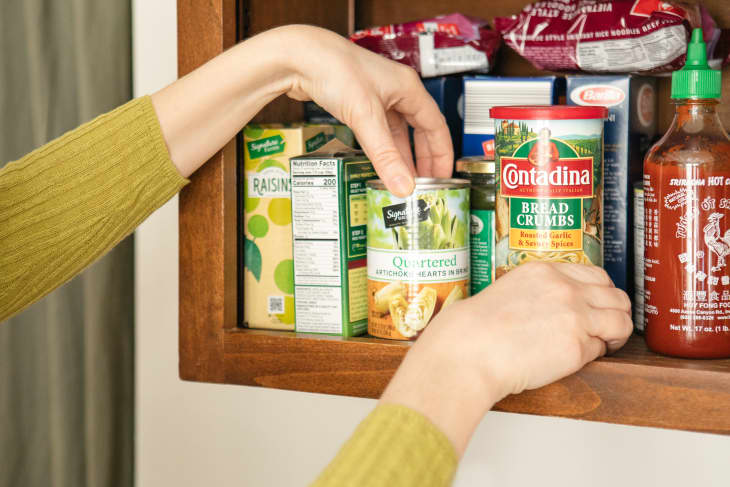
<point>696,79</point>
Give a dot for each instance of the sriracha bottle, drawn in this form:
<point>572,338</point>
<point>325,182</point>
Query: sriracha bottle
<point>687,220</point>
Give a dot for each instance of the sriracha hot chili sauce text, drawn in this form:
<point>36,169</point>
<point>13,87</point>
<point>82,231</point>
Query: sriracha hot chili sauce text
<point>549,203</point>
<point>687,220</point>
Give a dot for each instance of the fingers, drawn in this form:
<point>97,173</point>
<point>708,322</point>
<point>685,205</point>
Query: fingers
<point>593,348</point>
<point>606,297</point>
<point>433,158</point>
<point>588,274</point>
<point>423,154</point>
<point>611,326</point>
<point>433,141</point>
<point>399,131</point>
<point>372,130</point>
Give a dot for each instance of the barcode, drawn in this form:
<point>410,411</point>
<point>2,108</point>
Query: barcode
<point>482,94</point>
<point>276,305</point>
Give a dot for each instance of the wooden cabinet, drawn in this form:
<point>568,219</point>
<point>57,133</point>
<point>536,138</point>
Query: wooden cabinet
<point>634,386</point>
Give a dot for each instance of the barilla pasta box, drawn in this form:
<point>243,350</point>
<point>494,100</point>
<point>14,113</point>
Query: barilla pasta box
<point>628,133</point>
<point>268,273</point>
<point>329,225</point>
<point>484,92</point>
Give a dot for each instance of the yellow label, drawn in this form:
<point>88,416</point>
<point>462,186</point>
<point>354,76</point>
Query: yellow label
<point>358,210</point>
<point>268,285</point>
<point>545,240</point>
<point>358,286</point>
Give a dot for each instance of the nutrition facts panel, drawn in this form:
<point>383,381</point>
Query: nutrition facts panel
<point>315,222</point>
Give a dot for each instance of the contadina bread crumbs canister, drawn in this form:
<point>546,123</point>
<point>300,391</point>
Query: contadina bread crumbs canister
<point>549,203</point>
<point>417,254</point>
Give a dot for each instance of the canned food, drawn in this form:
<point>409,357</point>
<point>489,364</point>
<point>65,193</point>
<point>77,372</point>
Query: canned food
<point>549,203</point>
<point>417,254</point>
<point>480,173</point>
<point>638,307</point>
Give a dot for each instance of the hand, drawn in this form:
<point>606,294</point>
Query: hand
<point>537,324</point>
<point>377,98</point>
<point>202,111</point>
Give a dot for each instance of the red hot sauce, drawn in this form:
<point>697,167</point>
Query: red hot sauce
<point>687,231</point>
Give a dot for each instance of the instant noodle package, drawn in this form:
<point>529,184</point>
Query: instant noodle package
<point>605,35</point>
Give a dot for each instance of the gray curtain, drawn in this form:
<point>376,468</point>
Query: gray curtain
<point>67,363</point>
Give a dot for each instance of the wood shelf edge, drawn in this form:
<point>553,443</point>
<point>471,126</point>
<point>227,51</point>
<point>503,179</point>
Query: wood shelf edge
<point>645,392</point>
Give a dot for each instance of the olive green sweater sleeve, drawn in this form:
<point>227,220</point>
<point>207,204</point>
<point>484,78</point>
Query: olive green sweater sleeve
<point>67,203</point>
<point>393,446</point>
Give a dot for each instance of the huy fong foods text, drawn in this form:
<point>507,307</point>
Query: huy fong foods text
<point>687,238</point>
<point>549,203</point>
<point>417,255</point>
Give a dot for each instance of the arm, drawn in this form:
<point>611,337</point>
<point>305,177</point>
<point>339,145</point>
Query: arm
<point>375,97</point>
<point>537,324</point>
<point>69,202</point>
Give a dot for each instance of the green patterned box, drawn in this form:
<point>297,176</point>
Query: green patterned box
<point>329,225</point>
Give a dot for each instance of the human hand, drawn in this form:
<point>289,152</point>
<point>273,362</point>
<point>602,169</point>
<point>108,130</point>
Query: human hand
<point>377,98</point>
<point>537,324</point>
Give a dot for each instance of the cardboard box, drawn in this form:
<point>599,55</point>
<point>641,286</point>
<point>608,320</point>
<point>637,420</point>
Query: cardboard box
<point>447,92</point>
<point>484,92</point>
<point>268,274</point>
<point>329,225</point>
<point>628,134</point>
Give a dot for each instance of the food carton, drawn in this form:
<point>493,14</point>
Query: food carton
<point>268,274</point>
<point>628,134</point>
<point>329,222</point>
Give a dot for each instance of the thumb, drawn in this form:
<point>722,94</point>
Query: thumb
<point>372,131</point>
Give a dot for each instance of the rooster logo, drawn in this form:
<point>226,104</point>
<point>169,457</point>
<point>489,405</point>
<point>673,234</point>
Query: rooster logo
<point>719,244</point>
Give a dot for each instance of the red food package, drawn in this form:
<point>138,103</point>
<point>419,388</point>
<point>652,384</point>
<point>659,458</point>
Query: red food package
<point>603,35</point>
<point>446,44</point>
<point>722,51</point>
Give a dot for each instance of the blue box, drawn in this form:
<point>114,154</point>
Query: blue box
<point>446,91</point>
<point>628,133</point>
<point>484,92</point>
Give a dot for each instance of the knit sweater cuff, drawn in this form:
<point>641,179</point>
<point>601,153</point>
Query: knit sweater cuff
<point>394,445</point>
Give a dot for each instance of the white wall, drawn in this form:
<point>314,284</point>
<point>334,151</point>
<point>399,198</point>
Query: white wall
<point>192,434</point>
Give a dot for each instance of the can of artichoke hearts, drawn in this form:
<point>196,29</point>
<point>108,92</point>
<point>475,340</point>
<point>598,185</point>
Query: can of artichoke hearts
<point>417,254</point>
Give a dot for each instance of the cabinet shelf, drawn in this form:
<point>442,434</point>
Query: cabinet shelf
<point>634,386</point>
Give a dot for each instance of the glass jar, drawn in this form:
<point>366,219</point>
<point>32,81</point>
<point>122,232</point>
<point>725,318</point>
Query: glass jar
<point>480,174</point>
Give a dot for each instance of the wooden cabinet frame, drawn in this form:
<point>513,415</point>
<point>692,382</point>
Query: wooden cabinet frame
<point>633,387</point>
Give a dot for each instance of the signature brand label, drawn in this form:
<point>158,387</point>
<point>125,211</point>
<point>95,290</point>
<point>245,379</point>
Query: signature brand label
<point>399,215</point>
<point>265,147</point>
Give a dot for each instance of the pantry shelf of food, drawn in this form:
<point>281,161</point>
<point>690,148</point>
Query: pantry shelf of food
<point>635,386</point>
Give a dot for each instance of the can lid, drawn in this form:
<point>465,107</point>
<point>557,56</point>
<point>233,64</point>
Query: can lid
<point>549,112</point>
<point>426,183</point>
<point>475,164</point>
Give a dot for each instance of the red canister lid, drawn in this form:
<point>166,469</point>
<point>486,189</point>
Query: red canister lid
<point>548,112</point>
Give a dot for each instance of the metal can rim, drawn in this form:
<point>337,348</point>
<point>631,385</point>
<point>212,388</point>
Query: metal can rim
<point>426,183</point>
<point>475,165</point>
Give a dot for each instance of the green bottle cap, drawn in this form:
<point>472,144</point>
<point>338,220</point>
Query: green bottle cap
<point>696,79</point>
